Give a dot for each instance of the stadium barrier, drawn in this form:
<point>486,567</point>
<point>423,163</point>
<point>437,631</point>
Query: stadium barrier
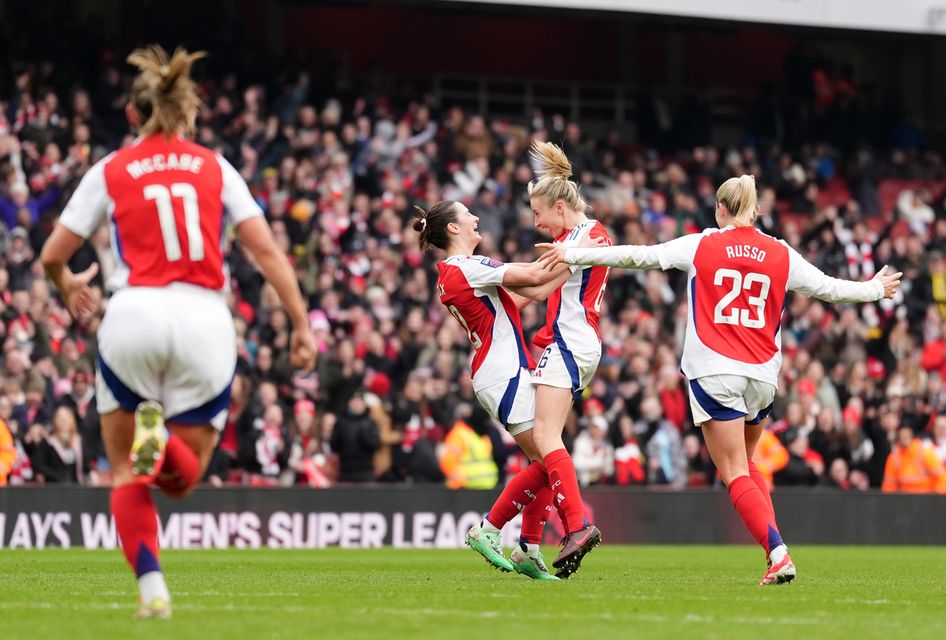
<point>433,517</point>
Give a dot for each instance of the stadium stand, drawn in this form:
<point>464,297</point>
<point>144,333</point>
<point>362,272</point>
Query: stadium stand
<point>338,160</point>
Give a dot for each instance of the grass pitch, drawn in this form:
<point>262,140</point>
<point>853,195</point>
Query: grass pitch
<point>621,592</point>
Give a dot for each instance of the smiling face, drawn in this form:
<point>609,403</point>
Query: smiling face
<point>549,218</point>
<point>463,231</point>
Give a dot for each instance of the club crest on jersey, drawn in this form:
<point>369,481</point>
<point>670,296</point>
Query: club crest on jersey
<point>489,262</point>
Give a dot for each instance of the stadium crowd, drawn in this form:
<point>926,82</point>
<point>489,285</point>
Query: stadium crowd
<point>337,169</point>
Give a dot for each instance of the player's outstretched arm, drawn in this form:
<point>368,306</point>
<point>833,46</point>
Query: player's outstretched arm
<point>809,280</point>
<point>255,235</point>
<point>626,256</point>
<point>59,248</point>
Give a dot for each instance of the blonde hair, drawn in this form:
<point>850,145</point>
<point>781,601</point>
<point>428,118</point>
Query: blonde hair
<point>553,178</point>
<point>163,94</point>
<point>739,197</point>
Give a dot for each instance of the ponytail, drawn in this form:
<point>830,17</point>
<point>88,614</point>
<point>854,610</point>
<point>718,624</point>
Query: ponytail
<point>432,225</point>
<point>553,181</point>
<point>739,197</point>
<point>163,94</point>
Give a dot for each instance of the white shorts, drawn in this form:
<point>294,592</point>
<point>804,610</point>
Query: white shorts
<point>730,397</point>
<point>175,345</point>
<point>511,402</point>
<point>566,369</point>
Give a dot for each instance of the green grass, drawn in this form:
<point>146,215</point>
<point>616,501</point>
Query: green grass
<point>621,592</point>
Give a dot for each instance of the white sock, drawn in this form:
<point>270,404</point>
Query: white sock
<point>529,548</point>
<point>151,585</point>
<point>778,553</point>
<point>489,526</point>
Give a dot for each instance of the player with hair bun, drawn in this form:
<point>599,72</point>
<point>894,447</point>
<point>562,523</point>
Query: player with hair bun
<point>571,342</point>
<point>476,291</point>
<point>167,346</point>
<point>738,279</point>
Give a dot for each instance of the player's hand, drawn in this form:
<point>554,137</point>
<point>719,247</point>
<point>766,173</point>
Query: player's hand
<point>79,298</point>
<point>890,281</point>
<point>553,256</point>
<point>588,242</point>
<point>302,349</point>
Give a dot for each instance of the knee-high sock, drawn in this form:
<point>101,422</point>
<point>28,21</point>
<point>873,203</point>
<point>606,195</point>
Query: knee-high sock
<point>760,482</point>
<point>180,468</point>
<point>565,493</point>
<point>755,512</point>
<point>535,515</point>
<point>136,521</point>
<point>518,494</point>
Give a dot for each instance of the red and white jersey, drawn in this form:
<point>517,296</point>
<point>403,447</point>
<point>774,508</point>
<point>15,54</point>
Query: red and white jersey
<point>471,289</point>
<point>572,311</point>
<point>738,279</point>
<point>165,202</point>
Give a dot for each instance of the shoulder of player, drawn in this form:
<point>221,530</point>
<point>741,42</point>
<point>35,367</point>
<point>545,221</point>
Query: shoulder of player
<point>598,230</point>
<point>472,262</point>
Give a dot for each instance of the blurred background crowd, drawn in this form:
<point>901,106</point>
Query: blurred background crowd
<point>338,159</point>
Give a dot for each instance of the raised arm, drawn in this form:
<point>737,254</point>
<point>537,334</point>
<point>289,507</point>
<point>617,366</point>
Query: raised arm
<point>809,280</point>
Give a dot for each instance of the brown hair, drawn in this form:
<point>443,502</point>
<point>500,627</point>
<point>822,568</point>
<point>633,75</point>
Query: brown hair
<point>553,178</point>
<point>432,225</point>
<point>163,94</point>
<point>739,197</point>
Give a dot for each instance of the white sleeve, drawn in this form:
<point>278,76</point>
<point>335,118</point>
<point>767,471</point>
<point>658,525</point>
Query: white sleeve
<point>809,280</point>
<point>237,201</point>
<point>89,203</point>
<point>580,232</point>
<point>483,272</point>
<point>675,254</point>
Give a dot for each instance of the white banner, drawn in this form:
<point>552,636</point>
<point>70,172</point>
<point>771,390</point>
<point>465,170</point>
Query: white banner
<point>909,16</point>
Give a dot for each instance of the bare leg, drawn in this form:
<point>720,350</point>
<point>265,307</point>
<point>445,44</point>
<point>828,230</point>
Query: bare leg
<point>552,405</point>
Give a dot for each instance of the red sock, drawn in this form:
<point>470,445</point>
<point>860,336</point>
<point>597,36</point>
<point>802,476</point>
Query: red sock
<point>136,521</point>
<point>564,483</point>
<point>760,482</point>
<point>755,513</point>
<point>518,494</point>
<point>534,516</point>
<point>180,468</point>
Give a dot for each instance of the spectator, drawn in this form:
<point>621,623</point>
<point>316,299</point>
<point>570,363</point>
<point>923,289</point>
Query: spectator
<point>272,446</point>
<point>593,454</point>
<point>913,467</point>
<point>467,459</point>
<point>666,464</point>
<point>804,467</point>
<point>628,458</point>
<point>770,455</point>
<point>355,439</point>
<point>337,177</point>
<point>701,472</point>
<point>57,458</point>
<point>7,452</point>
<point>938,439</point>
<point>838,474</point>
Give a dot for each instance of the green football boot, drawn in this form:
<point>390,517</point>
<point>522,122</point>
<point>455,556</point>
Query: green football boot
<point>486,543</point>
<point>530,564</point>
